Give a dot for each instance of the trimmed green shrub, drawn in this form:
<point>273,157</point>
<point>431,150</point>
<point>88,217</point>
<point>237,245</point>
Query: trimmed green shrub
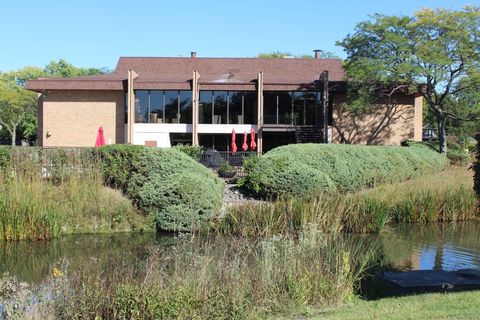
<point>456,153</point>
<point>117,163</point>
<point>306,169</point>
<point>192,151</point>
<point>176,189</point>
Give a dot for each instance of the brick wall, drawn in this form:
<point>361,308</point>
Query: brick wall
<point>380,124</point>
<point>72,118</point>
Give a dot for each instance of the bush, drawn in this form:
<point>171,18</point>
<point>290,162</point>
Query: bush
<point>192,151</point>
<point>176,189</point>
<point>456,153</point>
<point>306,169</point>
<point>117,163</point>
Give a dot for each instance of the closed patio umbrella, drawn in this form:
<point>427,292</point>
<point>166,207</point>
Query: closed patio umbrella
<point>253,144</point>
<point>245,143</point>
<point>234,145</point>
<point>100,138</point>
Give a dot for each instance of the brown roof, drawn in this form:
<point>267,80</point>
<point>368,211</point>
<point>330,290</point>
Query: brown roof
<point>215,73</point>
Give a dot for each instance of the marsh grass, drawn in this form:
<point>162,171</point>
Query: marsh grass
<point>445,196</point>
<point>43,195</point>
<point>215,278</point>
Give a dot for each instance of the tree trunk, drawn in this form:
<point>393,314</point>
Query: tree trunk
<point>441,133</point>
<point>14,135</point>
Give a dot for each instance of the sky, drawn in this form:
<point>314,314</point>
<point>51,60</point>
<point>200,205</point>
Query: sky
<point>95,33</point>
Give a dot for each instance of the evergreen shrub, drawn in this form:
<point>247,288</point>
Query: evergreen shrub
<point>307,169</point>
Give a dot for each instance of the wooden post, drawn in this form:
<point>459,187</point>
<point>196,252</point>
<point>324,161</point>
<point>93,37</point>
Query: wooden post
<point>195,107</point>
<point>132,75</point>
<point>260,113</point>
<point>324,77</point>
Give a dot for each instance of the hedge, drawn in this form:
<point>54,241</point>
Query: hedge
<point>181,193</point>
<point>307,169</point>
<point>168,183</point>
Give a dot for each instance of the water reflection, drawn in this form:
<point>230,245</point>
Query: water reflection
<point>446,246</point>
<point>433,246</point>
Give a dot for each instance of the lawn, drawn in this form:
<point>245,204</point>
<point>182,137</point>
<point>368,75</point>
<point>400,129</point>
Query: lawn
<point>460,305</point>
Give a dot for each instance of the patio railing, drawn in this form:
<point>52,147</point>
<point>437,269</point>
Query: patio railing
<point>214,159</point>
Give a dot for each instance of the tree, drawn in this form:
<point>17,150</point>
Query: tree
<point>435,53</point>
<point>282,54</point>
<point>66,70</point>
<point>15,105</point>
<point>18,109</point>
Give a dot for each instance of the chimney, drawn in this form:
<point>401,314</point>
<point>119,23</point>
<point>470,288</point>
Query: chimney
<point>193,54</point>
<point>318,54</point>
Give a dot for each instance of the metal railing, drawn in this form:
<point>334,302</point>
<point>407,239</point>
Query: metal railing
<point>214,159</point>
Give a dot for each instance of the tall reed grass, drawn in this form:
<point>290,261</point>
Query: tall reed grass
<point>446,196</point>
<point>44,195</point>
<point>214,279</point>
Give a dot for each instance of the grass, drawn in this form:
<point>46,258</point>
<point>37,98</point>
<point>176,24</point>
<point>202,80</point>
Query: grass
<point>460,305</point>
<point>444,196</point>
<point>214,279</point>
<point>35,208</point>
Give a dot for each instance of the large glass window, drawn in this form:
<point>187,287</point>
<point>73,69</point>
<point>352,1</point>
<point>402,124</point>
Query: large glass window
<point>236,107</point>
<point>205,107</point>
<point>171,107</point>
<point>270,104</point>
<point>141,106</point>
<point>220,111</point>
<point>250,107</point>
<point>156,107</point>
<point>185,106</point>
<point>310,108</point>
<point>229,107</point>
<point>284,108</point>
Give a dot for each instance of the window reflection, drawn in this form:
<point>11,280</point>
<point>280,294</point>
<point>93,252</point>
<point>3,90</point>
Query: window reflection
<point>185,106</point>
<point>205,107</point>
<point>220,112</point>
<point>141,106</point>
<point>156,107</point>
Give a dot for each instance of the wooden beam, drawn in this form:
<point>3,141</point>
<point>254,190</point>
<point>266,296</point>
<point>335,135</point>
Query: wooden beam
<point>195,107</point>
<point>132,75</point>
<point>260,112</point>
<point>324,78</point>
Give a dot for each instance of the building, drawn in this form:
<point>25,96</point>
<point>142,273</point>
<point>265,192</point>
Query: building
<point>166,101</point>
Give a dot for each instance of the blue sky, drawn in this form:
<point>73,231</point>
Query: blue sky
<point>94,33</point>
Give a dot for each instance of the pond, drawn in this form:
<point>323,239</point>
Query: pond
<point>433,246</point>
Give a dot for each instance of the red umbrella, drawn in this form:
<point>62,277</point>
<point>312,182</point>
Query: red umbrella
<point>100,138</point>
<point>234,145</point>
<point>253,144</point>
<point>245,144</point>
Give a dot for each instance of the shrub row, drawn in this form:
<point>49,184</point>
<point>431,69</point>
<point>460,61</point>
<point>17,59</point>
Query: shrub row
<point>307,169</point>
<point>167,183</point>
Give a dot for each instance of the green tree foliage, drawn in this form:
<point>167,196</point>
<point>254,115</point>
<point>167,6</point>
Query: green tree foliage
<point>283,54</point>
<point>66,70</point>
<point>18,107</point>
<point>435,53</point>
<point>16,104</point>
